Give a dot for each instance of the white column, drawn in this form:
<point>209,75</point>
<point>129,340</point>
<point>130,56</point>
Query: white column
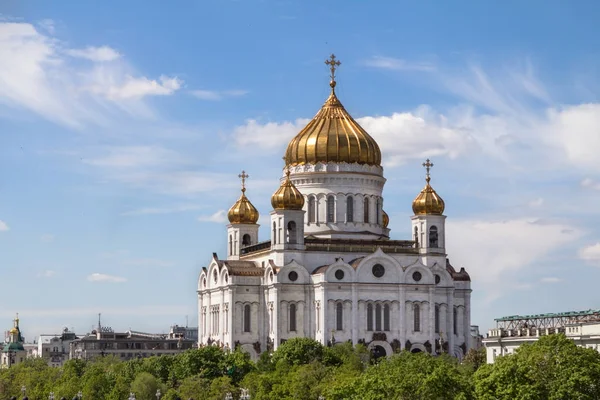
<point>354,313</point>
<point>276,309</point>
<point>467,316</point>
<point>450,319</point>
<point>200,320</point>
<point>402,326</point>
<point>432,320</point>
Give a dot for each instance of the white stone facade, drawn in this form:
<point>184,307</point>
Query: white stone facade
<point>335,275</point>
<point>501,342</point>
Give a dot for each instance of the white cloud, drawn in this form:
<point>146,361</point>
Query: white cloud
<point>97,277</point>
<point>46,274</point>
<point>268,136</point>
<point>215,95</point>
<point>574,129</point>
<point>590,184</point>
<point>591,254</point>
<point>163,210</point>
<point>137,157</point>
<point>417,135</point>
<point>550,279</point>
<point>536,202</point>
<point>96,54</point>
<point>218,217</point>
<point>398,64</point>
<point>148,262</point>
<point>494,251</point>
<point>38,75</point>
<point>47,238</point>
<point>3,226</point>
<point>48,25</point>
<point>137,87</point>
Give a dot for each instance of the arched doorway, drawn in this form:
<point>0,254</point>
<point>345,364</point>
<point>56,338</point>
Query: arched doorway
<point>378,352</point>
<point>380,348</point>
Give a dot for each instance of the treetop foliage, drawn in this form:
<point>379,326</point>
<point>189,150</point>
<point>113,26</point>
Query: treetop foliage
<point>553,368</point>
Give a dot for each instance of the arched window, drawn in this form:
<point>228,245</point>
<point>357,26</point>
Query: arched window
<point>292,318</point>
<point>366,210</point>
<point>433,236</point>
<point>369,317</point>
<point>274,233</point>
<point>330,209</point>
<point>246,241</point>
<point>417,318</point>
<point>339,316</point>
<point>247,318</point>
<point>416,237</point>
<point>455,321</point>
<point>377,207</point>
<point>312,209</point>
<point>230,245</point>
<point>349,209</point>
<point>378,317</point>
<point>291,232</point>
<point>386,317</point>
<point>437,318</point>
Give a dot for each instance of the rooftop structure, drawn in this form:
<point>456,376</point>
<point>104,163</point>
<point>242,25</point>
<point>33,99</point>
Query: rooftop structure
<point>550,320</point>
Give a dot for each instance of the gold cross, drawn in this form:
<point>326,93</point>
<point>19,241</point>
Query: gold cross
<point>428,164</point>
<point>333,63</point>
<point>243,176</point>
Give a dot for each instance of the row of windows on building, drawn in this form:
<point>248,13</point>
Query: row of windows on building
<point>330,207</point>
<point>378,318</point>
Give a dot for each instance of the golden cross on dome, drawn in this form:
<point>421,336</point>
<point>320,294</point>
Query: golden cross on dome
<point>243,176</point>
<point>333,63</point>
<point>428,164</point>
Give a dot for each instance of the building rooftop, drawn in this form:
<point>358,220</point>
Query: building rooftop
<point>550,315</point>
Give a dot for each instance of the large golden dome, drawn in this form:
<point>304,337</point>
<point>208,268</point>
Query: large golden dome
<point>428,202</point>
<point>385,219</point>
<point>243,212</point>
<point>332,136</point>
<point>287,197</point>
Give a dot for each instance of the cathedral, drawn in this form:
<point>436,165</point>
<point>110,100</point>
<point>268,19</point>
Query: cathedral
<point>331,271</point>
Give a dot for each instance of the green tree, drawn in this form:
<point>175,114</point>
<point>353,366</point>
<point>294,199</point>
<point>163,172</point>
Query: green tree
<point>553,368</point>
<point>407,376</point>
<point>298,351</point>
<point>145,386</point>
<point>475,358</point>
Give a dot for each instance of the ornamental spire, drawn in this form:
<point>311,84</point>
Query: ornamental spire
<point>428,165</point>
<point>333,64</point>
<point>243,176</point>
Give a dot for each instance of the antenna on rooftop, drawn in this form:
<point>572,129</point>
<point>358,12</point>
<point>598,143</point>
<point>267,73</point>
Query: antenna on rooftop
<point>99,324</point>
<point>186,321</point>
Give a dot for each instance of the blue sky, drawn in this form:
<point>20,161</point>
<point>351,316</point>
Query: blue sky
<point>123,126</point>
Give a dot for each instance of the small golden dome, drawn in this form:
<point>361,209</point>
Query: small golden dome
<point>14,331</point>
<point>385,218</point>
<point>287,197</point>
<point>243,212</point>
<point>332,136</point>
<point>428,202</point>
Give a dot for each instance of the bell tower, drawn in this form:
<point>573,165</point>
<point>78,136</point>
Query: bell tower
<point>242,230</point>
<point>428,221</point>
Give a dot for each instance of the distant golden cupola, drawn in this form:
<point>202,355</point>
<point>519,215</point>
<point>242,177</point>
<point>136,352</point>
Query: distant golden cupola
<point>243,212</point>
<point>332,135</point>
<point>287,197</point>
<point>428,202</point>
<point>385,219</point>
